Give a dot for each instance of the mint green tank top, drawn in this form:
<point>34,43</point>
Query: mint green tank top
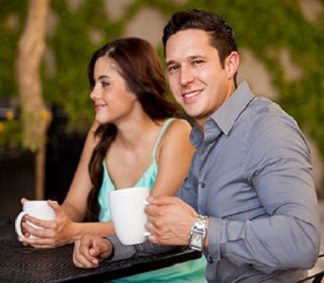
<point>192,271</point>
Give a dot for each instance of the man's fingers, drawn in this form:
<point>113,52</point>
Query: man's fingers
<point>158,206</point>
<point>162,200</point>
<point>153,239</point>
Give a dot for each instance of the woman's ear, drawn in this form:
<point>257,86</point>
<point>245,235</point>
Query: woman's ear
<point>231,64</point>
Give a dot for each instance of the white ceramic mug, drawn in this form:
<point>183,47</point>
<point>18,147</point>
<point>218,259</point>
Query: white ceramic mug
<point>128,216</point>
<point>36,208</point>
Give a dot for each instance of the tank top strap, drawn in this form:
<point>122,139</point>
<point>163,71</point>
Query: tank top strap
<point>164,127</point>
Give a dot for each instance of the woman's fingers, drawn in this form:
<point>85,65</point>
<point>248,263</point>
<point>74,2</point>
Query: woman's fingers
<point>84,254</point>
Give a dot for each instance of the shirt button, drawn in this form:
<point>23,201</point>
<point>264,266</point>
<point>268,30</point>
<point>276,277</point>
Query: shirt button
<point>202,185</point>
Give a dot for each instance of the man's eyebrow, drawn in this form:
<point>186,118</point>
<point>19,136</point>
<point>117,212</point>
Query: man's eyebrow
<point>196,57</point>
<point>168,63</point>
<point>193,57</point>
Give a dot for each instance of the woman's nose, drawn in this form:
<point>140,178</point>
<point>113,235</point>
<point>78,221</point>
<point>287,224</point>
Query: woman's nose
<point>94,93</point>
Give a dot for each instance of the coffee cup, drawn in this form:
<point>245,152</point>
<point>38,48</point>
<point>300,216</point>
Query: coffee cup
<point>128,216</point>
<point>36,208</point>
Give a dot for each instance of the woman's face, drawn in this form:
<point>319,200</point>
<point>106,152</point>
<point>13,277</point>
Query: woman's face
<point>112,99</point>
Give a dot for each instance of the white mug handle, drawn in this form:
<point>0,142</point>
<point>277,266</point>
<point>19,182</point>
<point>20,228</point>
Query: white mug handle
<point>18,223</point>
<point>146,233</point>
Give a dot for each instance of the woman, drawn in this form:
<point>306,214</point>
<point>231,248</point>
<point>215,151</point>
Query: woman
<point>134,141</point>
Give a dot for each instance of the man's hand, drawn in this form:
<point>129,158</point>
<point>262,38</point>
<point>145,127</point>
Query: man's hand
<point>90,250</point>
<point>169,220</point>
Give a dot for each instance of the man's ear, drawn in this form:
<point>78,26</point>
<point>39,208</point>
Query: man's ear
<point>232,62</point>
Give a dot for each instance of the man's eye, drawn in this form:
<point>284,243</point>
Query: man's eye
<point>197,62</point>
<point>173,68</point>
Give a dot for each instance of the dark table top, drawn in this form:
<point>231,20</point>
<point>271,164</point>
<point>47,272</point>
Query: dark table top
<point>26,264</point>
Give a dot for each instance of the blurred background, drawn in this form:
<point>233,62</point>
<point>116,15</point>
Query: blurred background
<point>46,45</point>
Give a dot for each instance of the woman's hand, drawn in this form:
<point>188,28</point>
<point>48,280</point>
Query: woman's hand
<point>90,250</point>
<point>54,233</point>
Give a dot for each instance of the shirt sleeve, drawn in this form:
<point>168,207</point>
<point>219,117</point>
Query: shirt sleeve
<point>278,166</point>
<point>188,190</point>
<point>122,251</point>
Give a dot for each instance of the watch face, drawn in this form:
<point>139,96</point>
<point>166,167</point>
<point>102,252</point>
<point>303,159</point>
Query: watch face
<point>196,241</point>
<point>198,234</point>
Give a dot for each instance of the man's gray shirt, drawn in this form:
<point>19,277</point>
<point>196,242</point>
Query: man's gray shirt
<point>252,176</point>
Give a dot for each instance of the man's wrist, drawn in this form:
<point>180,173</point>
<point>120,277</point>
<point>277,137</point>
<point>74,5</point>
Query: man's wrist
<point>198,233</point>
<point>112,248</point>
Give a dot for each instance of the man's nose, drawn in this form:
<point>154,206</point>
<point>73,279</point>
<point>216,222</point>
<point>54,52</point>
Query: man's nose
<point>186,76</point>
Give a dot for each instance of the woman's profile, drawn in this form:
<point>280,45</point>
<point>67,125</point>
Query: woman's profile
<point>136,140</point>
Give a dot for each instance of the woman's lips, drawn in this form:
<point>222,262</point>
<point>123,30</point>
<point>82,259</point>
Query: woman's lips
<point>98,107</point>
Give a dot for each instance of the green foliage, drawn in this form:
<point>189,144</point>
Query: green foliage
<point>260,26</point>
<point>10,11</point>
<point>7,138</point>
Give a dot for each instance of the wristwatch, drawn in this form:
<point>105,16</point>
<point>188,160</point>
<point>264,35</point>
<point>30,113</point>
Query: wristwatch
<point>198,233</point>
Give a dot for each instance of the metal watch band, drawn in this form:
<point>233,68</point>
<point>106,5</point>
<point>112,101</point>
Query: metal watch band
<point>198,233</point>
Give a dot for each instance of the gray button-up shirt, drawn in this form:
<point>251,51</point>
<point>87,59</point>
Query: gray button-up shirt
<point>251,175</point>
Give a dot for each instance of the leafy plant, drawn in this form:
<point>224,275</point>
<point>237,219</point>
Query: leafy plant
<point>260,26</point>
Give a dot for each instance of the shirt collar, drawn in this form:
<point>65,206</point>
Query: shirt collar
<point>225,116</point>
<point>196,136</point>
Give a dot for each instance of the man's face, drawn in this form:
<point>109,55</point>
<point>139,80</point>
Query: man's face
<point>196,77</point>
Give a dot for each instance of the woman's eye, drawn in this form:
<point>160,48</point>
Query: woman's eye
<point>104,84</point>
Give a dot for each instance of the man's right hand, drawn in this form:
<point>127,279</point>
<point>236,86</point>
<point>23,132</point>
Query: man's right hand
<point>169,220</point>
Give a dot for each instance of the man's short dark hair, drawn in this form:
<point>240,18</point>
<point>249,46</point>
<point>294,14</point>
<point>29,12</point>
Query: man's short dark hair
<point>221,33</point>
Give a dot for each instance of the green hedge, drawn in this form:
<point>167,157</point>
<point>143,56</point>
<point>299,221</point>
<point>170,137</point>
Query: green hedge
<point>259,25</point>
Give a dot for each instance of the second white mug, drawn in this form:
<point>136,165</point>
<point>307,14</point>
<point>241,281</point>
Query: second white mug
<point>128,216</point>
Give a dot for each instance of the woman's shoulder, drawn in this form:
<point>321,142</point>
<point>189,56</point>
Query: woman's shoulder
<point>176,140</point>
<point>176,129</point>
<point>179,123</point>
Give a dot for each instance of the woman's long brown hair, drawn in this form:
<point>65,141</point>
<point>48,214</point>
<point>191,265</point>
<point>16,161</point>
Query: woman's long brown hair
<point>139,65</point>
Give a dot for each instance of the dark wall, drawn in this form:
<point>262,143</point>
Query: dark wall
<point>61,162</point>
<point>62,155</point>
<point>17,180</point>
<point>17,167</point>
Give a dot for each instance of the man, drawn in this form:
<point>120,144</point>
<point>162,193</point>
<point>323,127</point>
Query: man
<point>249,200</point>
